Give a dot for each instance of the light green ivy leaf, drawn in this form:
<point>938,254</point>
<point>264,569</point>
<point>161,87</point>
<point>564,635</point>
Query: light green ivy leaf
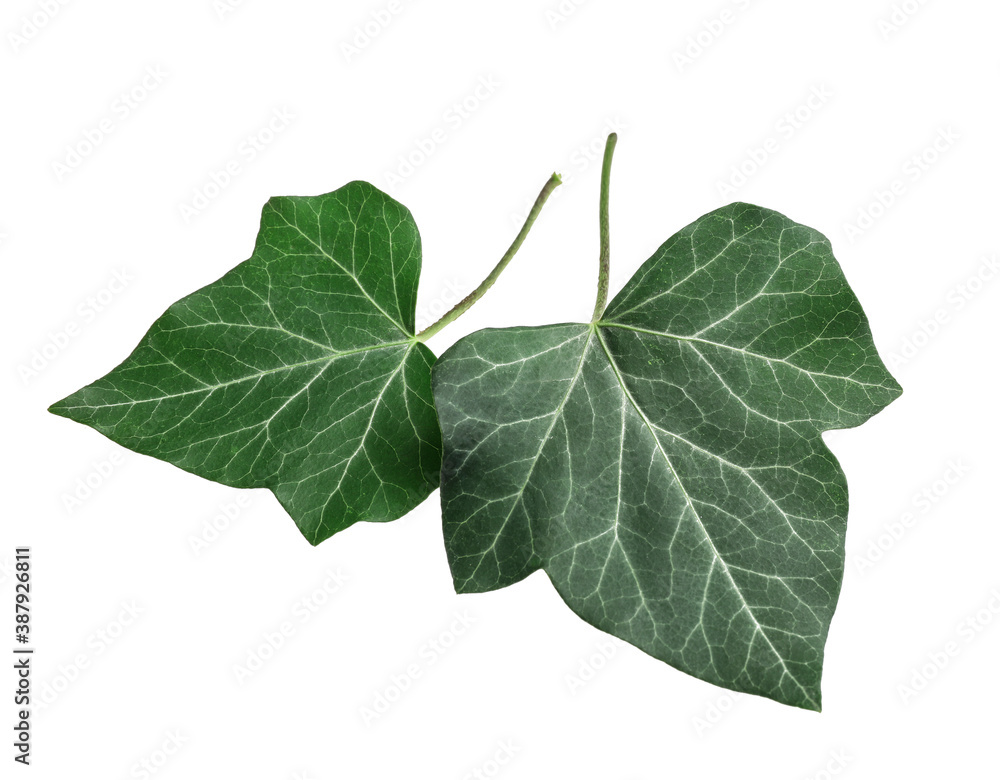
<point>664,465</point>
<point>297,371</point>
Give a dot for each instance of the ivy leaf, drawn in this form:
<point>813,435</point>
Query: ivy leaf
<point>297,371</point>
<point>664,465</point>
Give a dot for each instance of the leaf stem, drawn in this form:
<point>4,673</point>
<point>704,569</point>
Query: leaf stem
<point>604,274</point>
<point>468,301</point>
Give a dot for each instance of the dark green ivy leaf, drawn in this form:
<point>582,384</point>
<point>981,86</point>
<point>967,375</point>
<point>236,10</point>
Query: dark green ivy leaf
<point>665,465</point>
<point>297,371</point>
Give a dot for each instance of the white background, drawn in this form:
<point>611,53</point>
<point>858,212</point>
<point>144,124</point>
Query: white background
<point>560,78</point>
